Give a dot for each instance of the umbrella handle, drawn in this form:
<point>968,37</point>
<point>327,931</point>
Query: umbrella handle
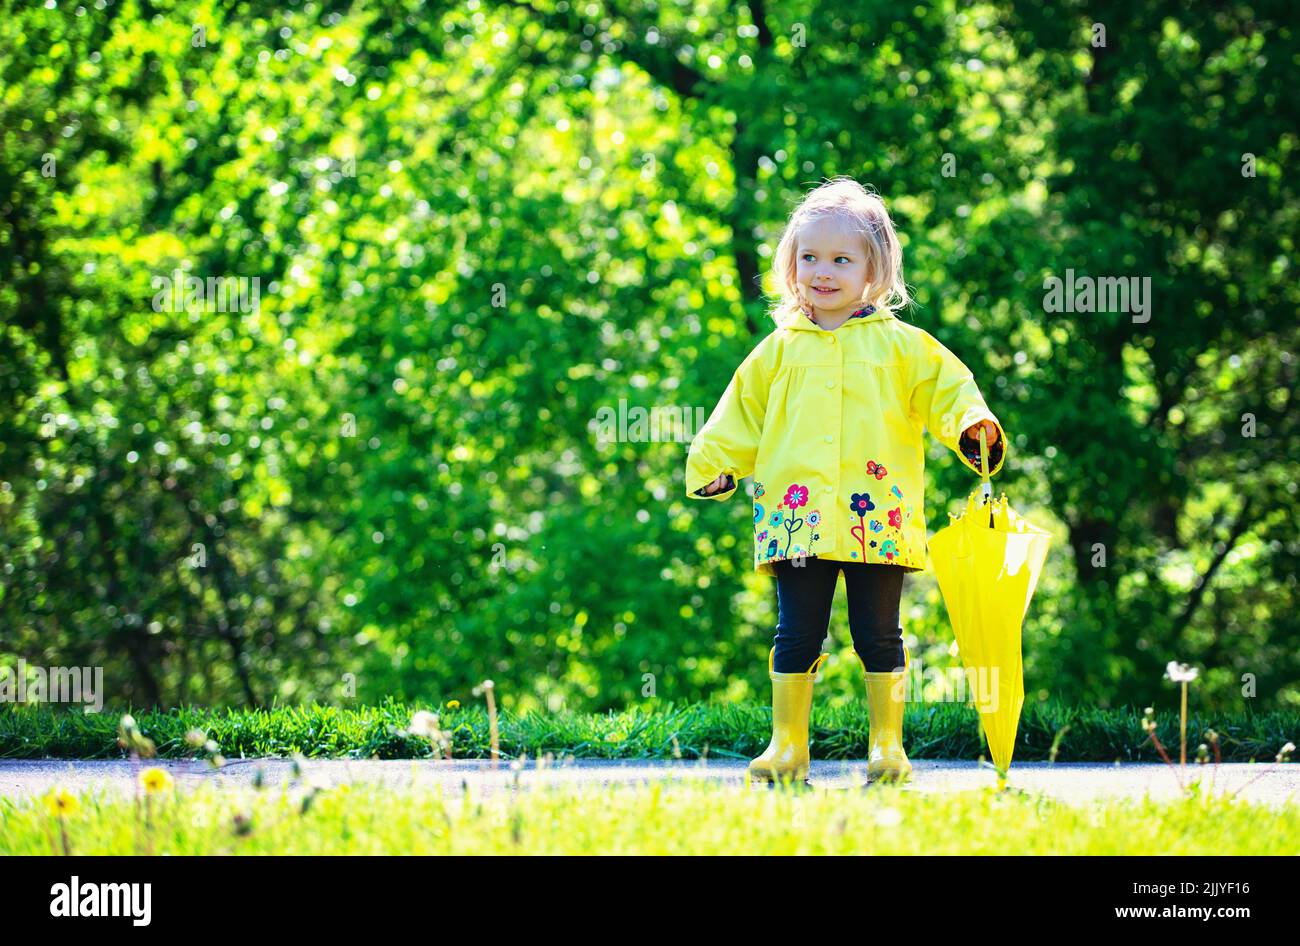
<point>986,485</point>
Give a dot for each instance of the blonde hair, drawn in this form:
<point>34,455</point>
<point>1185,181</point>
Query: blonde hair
<point>862,212</point>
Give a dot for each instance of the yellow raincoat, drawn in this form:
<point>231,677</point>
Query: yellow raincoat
<point>829,424</point>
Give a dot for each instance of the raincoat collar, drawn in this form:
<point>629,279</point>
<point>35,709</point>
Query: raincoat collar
<point>803,320</point>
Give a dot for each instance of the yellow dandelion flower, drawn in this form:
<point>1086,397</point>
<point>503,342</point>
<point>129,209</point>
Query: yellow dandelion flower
<point>60,803</point>
<point>453,704</point>
<point>155,780</point>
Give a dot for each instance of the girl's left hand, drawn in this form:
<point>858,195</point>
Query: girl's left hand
<point>990,432</point>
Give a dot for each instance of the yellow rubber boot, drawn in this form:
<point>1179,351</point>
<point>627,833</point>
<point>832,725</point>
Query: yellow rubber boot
<point>886,760</point>
<point>786,755</point>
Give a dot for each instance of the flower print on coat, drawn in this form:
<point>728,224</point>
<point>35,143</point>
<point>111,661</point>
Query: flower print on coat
<point>795,496</point>
<point>888,545</point>
<point>860,504</point>
<point>786,517</point>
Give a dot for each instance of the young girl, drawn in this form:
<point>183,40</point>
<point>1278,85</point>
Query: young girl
<point>826,412</point>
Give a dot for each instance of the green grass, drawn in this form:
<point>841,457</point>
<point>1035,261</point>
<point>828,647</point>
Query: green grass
<point>932,731</point>
<point>654,818</point>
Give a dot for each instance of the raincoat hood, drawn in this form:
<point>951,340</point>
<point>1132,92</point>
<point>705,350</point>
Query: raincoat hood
<point>801,320</point>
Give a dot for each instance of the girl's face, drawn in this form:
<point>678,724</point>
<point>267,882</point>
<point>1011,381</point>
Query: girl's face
<point>830,257</point>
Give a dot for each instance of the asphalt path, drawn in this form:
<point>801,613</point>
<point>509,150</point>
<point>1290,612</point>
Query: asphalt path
<point>1071,782</point>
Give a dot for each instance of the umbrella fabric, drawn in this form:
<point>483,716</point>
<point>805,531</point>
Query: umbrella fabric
<point>987,561</point>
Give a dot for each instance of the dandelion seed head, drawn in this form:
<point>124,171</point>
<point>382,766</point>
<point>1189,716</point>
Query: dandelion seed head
<point>889,817</point>
<point>424,724</point>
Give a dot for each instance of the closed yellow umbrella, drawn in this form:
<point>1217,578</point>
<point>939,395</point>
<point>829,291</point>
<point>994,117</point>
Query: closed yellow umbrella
<point>987,568</point>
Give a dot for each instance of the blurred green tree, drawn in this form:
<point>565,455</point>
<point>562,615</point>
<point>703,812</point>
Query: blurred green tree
<point>478,230</point>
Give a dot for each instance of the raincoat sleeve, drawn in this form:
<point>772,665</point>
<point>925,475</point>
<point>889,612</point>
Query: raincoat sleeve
<point>946,399</point>
<point>728,441</point>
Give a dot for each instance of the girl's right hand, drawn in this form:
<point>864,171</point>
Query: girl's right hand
<point>716,485</point>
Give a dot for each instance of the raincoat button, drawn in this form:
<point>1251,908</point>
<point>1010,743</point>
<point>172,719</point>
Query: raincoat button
<point>829,438</point>
<point>830,489</point>
<point>830,384</point>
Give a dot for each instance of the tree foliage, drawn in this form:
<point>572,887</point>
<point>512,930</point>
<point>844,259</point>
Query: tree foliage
<point>475,227</point>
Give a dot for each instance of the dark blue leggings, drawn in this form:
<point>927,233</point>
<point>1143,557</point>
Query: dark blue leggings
<point>804,596</point>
